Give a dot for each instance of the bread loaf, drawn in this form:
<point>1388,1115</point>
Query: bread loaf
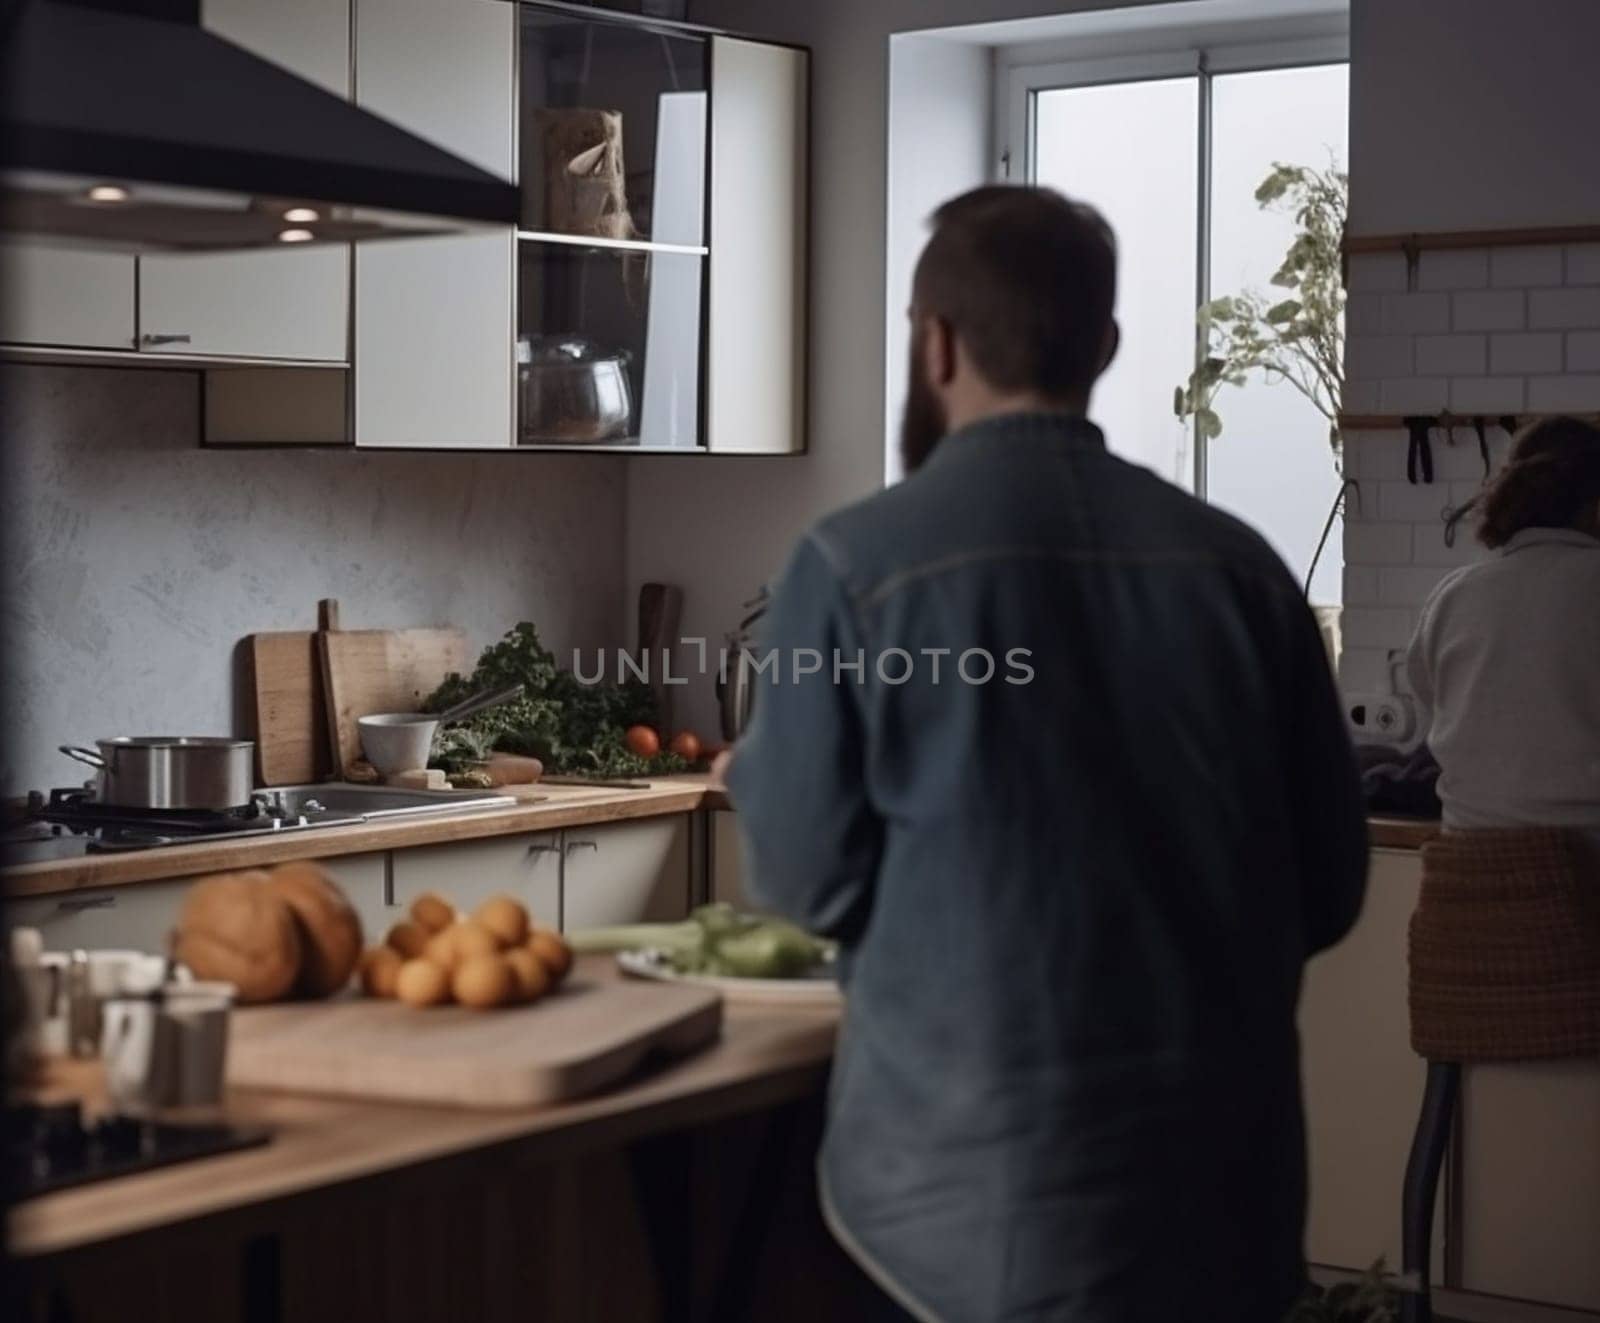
<point>330,929</point>
<point>237,929</point>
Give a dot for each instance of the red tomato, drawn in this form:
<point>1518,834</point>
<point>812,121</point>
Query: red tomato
<point>686,744</point>
<point>642,741</point>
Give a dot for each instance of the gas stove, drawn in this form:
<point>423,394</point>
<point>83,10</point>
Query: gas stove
<point>53,1146</point>
<point>70,823</point>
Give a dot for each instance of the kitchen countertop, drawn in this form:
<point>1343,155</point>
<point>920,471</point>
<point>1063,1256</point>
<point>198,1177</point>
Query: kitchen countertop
<point>1388,833</point>
<point>563,806</point>
<point>767,1055</point>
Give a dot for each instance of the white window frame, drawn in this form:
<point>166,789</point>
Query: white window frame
<point>1018,85</point>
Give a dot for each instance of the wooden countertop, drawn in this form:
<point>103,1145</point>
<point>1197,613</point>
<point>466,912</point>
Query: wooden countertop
<point>1401,833</point>
<point>767,1055</point>
<point>563,806</point>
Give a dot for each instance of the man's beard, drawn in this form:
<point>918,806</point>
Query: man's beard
<point>923,423</point>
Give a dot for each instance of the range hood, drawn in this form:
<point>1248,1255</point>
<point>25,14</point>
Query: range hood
<point>144,131</point>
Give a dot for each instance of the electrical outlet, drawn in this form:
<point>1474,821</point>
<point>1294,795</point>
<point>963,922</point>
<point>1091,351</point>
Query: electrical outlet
<point>1388,717</point>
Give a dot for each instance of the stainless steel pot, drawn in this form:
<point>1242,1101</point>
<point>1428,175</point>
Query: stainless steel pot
<point>171,771</point>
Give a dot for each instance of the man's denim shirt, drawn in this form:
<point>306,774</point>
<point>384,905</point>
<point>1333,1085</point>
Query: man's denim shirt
<point>1076,873</point>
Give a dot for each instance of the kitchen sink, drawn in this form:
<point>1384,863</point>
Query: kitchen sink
<point>343,800</point>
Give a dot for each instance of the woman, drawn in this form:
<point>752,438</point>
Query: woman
<point>1506,658</point>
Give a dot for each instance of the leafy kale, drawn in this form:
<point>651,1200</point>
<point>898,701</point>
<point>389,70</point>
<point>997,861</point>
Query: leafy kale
<point>571,727</point>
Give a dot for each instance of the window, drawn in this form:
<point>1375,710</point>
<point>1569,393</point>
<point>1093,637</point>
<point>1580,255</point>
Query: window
<point>1171,150</point>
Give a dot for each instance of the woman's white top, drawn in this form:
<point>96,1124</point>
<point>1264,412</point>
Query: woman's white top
<point>1505,665</point>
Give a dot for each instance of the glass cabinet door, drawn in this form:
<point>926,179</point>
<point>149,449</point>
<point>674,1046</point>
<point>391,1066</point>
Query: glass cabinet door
<point>613,127</point>
<point>613,143</point>
<point>609,350</point>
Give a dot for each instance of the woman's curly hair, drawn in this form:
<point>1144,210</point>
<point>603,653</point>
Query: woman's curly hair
<point>1552,480</point>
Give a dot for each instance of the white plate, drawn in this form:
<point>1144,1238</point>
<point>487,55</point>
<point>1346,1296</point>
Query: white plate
<point>819,988</point>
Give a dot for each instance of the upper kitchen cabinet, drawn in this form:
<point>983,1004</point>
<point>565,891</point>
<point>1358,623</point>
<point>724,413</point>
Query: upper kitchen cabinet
<point>661,258</point>
<point>759,204</point>
<point>289,304</point>
<point>434,316</point>
<point>65,298</point>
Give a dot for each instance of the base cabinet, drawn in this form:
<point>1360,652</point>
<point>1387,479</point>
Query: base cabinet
<point>625,872</point>
<point>137,917</point>
<point>1519,1207</point>
<point>467,873</point>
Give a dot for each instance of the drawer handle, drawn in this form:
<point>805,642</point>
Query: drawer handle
<point>583,845</point>
<point>149,339</point>
<point>77,904</point>
<point>543,849</point>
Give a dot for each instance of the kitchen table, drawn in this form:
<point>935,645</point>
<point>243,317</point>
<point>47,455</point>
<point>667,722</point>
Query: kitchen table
<point>632,1203</point>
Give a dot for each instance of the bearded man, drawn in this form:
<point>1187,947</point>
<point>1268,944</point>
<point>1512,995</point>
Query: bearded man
<point>1053,749</point>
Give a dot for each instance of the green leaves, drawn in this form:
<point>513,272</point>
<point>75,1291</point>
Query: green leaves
<point>1299,337</point>
<point>569,725</point>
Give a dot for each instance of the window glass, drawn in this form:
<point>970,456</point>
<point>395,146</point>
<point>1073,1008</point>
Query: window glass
<point>1272,465</point>
<point>1131,150</point>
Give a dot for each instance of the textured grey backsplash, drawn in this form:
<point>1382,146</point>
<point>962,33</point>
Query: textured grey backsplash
<point>136,562</point>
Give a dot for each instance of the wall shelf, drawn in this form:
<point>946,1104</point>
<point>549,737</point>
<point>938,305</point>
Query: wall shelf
<point>1382,422</point>
<point>1408,243</point>
<point>617,245</point>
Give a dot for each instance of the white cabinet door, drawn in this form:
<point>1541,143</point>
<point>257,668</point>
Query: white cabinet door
<point>310,38</point>
<point>266,304</point>
<point>434,341</point>
<point>625,872</point>
<point>65,296</point>
<point>364,880</point>
<point>434,317</point>
<point>1362,1082</point>
<point>466,873</point>
<point>293,303</point>
<point>137,916</point>
<point>756,354</point>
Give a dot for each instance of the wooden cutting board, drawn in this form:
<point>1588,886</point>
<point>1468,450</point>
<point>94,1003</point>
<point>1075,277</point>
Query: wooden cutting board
<point>591,1033</point>
<point>291,724</point>
<point>366,671</point>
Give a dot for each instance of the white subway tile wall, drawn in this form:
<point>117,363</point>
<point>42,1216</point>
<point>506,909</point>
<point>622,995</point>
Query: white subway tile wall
<point>1484,332</point>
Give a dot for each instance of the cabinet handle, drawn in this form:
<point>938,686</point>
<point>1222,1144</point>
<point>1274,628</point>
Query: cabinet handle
<point>77,904</point>
<point>583,845</point>
<point>148,339</point>
<point>544,849</point>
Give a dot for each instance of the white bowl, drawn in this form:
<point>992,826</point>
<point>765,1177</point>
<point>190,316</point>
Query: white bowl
<point>396,742</point>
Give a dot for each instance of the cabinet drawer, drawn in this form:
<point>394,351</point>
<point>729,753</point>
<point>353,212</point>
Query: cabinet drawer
<point>137,916</point>
<point>625,872</point>
<point>467,873</point>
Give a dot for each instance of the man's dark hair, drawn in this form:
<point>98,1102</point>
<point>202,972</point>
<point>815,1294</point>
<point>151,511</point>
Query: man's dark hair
<point>1027,279</point>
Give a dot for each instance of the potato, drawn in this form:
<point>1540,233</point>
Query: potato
<point>482,981</point>
<point>505,917</point>
<point>380,971</point>
<point>527,970</point>
<point>330,929</point>
<point>422,983</point>
<point>433,912</point>
<point>553,952</point>
<point>408,938</point>
<point>473,939</point>
<point>441,949</point>
<point>236,929</point>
